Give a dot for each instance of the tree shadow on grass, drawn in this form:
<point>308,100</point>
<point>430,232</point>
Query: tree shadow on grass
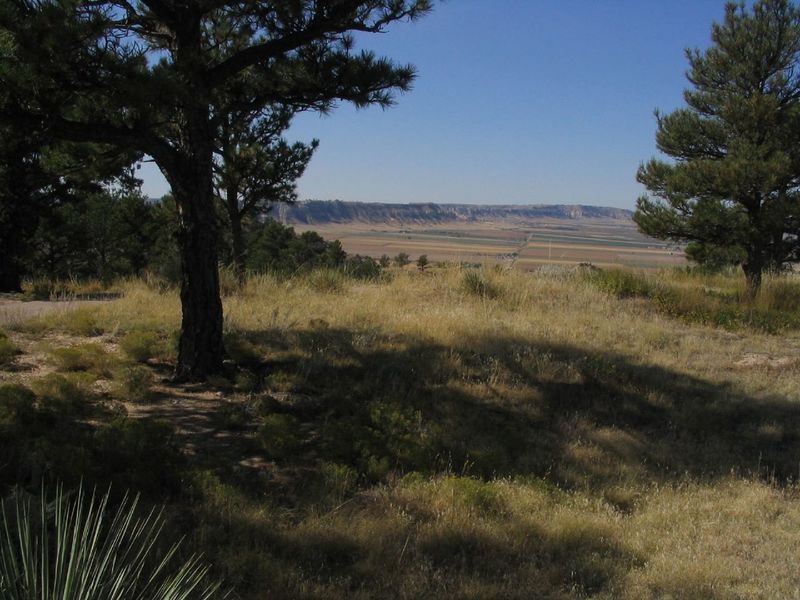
<point>487,407</point>
<point>495,406</point>
<point>502,406</point>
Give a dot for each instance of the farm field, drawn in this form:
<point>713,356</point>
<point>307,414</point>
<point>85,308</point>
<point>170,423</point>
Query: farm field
<point>526,244</point>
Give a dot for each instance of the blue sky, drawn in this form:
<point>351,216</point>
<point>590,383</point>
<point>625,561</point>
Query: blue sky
<point>516,101</point>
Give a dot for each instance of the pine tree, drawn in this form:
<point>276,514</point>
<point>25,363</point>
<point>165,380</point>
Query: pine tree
<point>151,76</point>
<point>256,168</point>
<point>731,189</point>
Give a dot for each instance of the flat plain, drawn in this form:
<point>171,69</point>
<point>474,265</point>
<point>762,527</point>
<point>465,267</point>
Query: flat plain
<point>524,243</point>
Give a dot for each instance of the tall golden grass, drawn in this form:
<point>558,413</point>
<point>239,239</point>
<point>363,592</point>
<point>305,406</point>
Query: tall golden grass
<point>498,434</point>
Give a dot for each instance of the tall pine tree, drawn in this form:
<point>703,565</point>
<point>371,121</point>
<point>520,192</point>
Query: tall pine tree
<point>151,75</point>
<point>732,186</point>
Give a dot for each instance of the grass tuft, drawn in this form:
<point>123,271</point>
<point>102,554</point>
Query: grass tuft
<point>476,283</point>
<point>89,357</point>
<point>8,350</point>
<point>141,345</point>
<point>133,383</point>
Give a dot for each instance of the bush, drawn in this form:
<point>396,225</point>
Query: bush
<point>475,283</point>
<point>326,281</point>
<point>683,294</point>
<point>79,548</point>
<point>140,345</point>
<point>139,453</point>
<point>81,322</point>
<point>133,384</point>
<point>8,350</point>
<point>279,435</point>
<point>623,284</point>
<point>83,357</point>
<point>362,267</point>
<point>16,405</point>
<point>63,396</point>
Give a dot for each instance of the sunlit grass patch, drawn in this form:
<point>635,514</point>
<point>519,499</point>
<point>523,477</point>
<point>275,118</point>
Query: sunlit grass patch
<point>713,300</point>
<point>141,345</point>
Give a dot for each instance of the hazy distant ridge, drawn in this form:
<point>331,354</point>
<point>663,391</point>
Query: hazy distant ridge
<point>318,212</point>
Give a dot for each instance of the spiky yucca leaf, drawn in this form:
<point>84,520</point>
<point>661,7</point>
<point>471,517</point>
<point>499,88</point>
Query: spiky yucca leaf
<point>78,548</point>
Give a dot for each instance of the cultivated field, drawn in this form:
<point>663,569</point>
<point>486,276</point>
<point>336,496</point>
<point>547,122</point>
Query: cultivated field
<point>527,244</point>
<point>454,433</point>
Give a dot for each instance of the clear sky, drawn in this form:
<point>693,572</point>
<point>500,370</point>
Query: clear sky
<point>516,101</point>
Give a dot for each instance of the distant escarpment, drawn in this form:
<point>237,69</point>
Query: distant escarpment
<point>320,212</point>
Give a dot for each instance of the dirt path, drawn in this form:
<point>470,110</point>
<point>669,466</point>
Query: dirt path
<point>15,311</point>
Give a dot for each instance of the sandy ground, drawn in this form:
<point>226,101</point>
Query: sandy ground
<point>14,311</point>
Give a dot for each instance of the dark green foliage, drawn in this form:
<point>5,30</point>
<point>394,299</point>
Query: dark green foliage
<point>102,235</point>
<point>163,79</point>
<point>402,259</point>
<point>715,257</point>
<point>256,168</point>
<point>46,437</point>
<point>362,267</point>
<point>733,188</point>
<point>422,262</point>
<point>276,248</point>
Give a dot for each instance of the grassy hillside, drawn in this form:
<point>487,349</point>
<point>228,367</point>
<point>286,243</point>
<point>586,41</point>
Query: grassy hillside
<point>467,434</point>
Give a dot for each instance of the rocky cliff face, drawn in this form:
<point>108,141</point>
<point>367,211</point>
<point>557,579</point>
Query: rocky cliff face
<point>318,212</point>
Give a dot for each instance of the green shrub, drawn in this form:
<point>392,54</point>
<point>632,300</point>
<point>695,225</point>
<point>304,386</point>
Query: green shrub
<point>232,415</point>
<point>139,453</point>
<point>326,280</point>
<point>279,435</point>
<point>81,322</point>
<point>241,350</point>
<point>8,350</point>
<point>475,283</point>
<point>140,345</point>
<point>133,383</point>
<point>247,382</point>
<point>362,267</point>
<point>38,289</point>
<point>78,547</point>
<point>63,396</point>
<point>83,357</point>
<point>623,284</point>
<point>16,404</point>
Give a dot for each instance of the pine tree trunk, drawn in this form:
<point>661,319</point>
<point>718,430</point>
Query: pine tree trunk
<point>201,350</point>
<point>753,268</point>
<point>237,236</point>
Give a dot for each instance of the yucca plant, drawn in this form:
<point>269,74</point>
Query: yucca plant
<point>79,548</point>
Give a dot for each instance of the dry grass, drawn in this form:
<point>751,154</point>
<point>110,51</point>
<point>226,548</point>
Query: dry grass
<point>421,437</point>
